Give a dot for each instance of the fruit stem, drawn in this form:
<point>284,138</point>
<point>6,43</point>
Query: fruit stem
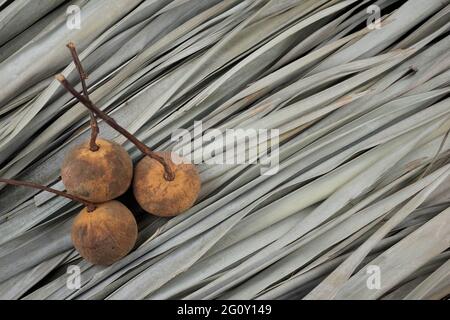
<point>89,205</point>
<point>83,76</point>
<point>169,174</point>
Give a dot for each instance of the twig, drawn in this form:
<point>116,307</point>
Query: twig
<point>89,205</point>
<point>169,174</point>
<point>83,76</point>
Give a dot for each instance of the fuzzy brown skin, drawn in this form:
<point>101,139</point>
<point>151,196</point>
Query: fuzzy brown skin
<point>165,198</point>
<point>105,235</point>
<point>97,176</point>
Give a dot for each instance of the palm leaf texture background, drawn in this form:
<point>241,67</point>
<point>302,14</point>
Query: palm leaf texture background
<point>363,115</point>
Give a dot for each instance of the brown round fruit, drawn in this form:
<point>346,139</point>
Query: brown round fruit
<point>165,198</point>
<point>106,234</point>
<point>97,176</point>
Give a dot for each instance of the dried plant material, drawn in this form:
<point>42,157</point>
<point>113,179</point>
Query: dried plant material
<point>97,176</point>
<point>165,198</point>
<point>357,89</point>
<point>105,235</point>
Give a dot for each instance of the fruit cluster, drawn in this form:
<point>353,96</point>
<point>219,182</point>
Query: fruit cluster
<point>97,172</point>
